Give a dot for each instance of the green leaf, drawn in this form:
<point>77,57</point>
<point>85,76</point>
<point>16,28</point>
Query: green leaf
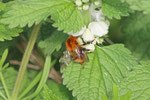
<point>49,95</point>
<point>9,78</point>
<point>10,75</point>
<point>2,6</point>
<point>136,30</point>
<point>54,42</point>
<point>60,90</point>
<point>106,66</point>
<point>3,58</point>
<point>6,44</point>
<point>7,33</point>
<point>67,17</point>
<point>54,91</point>
<point>139,5</point>
<point>137,82</point>
<point>115,8</point>
<point>63,12</point>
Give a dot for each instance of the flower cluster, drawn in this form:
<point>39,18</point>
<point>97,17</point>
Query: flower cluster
<point>97,28</point>
<point>84,4</point>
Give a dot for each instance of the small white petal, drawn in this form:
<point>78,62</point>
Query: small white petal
<point>85,1</point>
<point>97,3</point>
<point>98,28</point>
<point>99,15</point>
<point>77,33</point>
<point>78,2</point>
<point>85,7</point>
<point>89,47</point>
<point>96,40</point>
<point>96,15</point>
<point>80,41</point>
<point>87,36</point>
<point>80,8</point>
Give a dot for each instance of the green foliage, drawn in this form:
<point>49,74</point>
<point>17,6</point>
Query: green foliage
<point>10,81</point>
<point>49,95</point>
<point>54,42</point>
<point>58,88</point>
<point>107,65</point>
<point>43,80</point>
<point>2,6</point>
<point>137,32</point>
<point>7,33</point>
<point>137,82</point>
<point>67,17</point>
<point>63,12</point>
<point>116,96</point>
<point>139,5</point>
<point>115,8</point>
<point>53,91</point>
<point>5,44</point>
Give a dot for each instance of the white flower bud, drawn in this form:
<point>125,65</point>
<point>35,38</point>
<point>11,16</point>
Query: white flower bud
<point>80,8</point>
<point>97,3</point>
<point>98,28</point>
<point>85,7</point>
<point>87,36</point>
<point>85,1</point>
<point>78,2</point>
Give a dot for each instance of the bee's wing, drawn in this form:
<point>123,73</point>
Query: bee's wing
<point>81,54</point>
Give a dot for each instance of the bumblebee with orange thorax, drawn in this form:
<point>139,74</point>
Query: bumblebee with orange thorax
<point>75,50</point>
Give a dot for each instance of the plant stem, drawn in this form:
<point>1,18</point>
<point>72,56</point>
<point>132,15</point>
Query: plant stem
<point>5,87</point>
<point>25,61</point>
<point>3,96</point>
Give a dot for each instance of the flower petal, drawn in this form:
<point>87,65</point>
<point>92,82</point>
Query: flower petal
<point>78,33</point>
<point>99,28</point>
<point>87,36</point>
<point>89,47</point>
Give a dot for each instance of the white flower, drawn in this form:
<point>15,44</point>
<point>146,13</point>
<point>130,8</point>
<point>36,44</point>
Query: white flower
<point>78,2</point>
<point>96,15</point>
<point>98,28</point>
<point>87,36</point>
<point>85,7</point>
<point>97,3</point>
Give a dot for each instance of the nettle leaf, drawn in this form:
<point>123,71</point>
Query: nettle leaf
<point>49,95</point>
<point>115,8</point>
<point>54,42</point>
<point>140,5</point>
<point>2,6</point>
<point>137,82</point>
<point>7,33</point>
<point>54,91</point>
<point>67,17</point>
<point>107,66</point>
<point>10,75</point>
<point>137,35</point>
<point>6,44</point>
<point>63,12</point>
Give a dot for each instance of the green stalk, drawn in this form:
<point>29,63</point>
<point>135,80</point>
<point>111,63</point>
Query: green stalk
<point>33,83</point>
<point>3,96</point>
<point>5,87</point>
<point>43,80</point>
<point>25,61</point>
